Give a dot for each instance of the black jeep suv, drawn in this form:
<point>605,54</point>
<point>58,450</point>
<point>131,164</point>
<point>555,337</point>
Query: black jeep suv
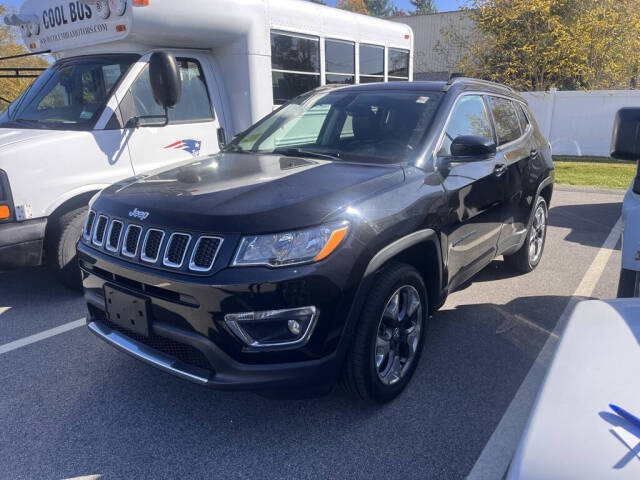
<point>316,245</point>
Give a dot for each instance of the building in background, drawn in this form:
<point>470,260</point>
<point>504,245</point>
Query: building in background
<point>435,55</point>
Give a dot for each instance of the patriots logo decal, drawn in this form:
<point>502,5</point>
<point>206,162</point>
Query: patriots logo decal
<point>188,145</point>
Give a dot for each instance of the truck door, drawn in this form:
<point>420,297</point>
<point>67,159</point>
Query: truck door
<point>192,129</point>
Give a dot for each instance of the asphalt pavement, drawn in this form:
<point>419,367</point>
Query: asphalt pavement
<point>71,406</point>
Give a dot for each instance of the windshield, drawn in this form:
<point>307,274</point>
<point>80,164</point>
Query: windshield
<point>69,95</point>
<point>377,126</point>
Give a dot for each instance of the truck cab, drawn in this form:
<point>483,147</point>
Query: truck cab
<point>91,118</point>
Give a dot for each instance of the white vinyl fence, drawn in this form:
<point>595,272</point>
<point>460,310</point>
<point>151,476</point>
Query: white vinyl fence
<point>579,122</point>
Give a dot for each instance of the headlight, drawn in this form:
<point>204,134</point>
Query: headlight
<point>290,248</point>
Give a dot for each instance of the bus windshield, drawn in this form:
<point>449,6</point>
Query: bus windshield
<point>379,126</point>
<point>69,95</point>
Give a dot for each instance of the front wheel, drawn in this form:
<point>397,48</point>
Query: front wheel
<point>61,247</point>
<point>389,338</point>
<point>528,257</point>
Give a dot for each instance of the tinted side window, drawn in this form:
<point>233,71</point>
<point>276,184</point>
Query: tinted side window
<point>371,63</point>
<point>194,105</point>
<point>295,65</point>
<point>399,64</point>
<point>340,60</point>
<point>505,118</point>
<point>469,117</point>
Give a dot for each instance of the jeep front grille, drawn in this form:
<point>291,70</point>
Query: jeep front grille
<point>152,247</point>
<point>88,225</point>
<point>131,240</point>
<point>98,234</point>
<point>113,238</point>
<point>204,253</point>
<point>176,249</point>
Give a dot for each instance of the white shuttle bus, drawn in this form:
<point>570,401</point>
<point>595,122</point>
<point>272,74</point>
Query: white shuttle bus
<point>84,123</point>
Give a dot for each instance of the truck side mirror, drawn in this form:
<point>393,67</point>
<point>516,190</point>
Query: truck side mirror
<point>164,75</point>
<point>625,144</point>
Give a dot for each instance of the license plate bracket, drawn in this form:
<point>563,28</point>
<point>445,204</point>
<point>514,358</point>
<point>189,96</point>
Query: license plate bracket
<point>127,310</point>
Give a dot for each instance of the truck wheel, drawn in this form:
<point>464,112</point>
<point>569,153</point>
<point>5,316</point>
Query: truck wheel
<point>61,247</point>
<point>627,284</point>
<point>388,341</point>
<point>528,257</point>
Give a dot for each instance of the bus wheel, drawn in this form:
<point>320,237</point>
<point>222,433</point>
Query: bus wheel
<point>61,247</point>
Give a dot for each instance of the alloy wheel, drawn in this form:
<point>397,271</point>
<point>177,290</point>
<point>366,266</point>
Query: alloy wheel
<point>537,234</point>
<point>398,335</point>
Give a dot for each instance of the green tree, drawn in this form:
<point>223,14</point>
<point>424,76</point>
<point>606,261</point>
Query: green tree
<point>380,8</point>
<point>357,6</point>
<point>538,44</point>
<point>423,7</point>
<point>10,44</point>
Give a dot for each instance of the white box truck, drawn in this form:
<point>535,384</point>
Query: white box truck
<point>84,123</point>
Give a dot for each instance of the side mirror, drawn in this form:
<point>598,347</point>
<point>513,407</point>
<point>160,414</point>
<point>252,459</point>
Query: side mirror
<point>470,147</point>
<point>625,144</point>
<point>164,75</point>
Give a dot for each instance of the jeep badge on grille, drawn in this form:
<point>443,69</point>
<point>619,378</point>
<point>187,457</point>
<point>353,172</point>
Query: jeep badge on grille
<point>139,214</point>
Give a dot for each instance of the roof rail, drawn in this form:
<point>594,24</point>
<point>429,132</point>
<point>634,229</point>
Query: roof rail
<point>455,80</point>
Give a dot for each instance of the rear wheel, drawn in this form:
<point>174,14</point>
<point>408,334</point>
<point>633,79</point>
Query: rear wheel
<point>389,338</point>
<point>61,247</point>
<point>628,285</point>
<point>528,257</point>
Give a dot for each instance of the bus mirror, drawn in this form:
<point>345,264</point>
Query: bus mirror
<point>164,75</point>
<point>625,144</point>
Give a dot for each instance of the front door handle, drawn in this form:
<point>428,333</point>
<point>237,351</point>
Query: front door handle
<point>499,169</point>
<point>533,153</point>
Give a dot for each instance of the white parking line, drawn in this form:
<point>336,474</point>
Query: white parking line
<point>496,455</point>
<point>23,342</point>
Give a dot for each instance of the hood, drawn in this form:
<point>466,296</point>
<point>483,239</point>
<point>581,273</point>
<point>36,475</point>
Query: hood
<point>245,193</point>
<point>10,136</point>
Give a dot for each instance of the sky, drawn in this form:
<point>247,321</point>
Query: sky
<point>443,5</point>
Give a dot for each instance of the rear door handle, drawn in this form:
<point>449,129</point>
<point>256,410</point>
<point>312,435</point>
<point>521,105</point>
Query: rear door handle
<point>499,169</point>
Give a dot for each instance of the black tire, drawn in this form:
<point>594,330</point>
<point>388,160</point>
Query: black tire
<point>63,236</point>
<point>627,283</point>
<point>360,375</point>
<point>523,260</point>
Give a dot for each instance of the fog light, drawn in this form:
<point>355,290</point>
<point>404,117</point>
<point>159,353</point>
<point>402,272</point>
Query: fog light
<point>273,328</point>
<point>294,327</point>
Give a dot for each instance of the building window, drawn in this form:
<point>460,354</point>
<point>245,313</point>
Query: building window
<point>295,65</point>
<point>398,64</point>
<point>371,63</point>
<point>340,61</point>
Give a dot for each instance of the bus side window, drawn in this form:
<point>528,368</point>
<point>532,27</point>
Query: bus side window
<point>194,105</point>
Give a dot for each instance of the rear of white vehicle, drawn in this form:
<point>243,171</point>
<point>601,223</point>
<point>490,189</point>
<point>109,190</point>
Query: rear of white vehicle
<point>91,118</point>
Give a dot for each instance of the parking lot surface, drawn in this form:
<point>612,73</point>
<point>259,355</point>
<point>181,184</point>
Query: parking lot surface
<point>72,406</point>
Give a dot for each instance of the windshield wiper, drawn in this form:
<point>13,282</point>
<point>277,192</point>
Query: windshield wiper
<point>301,152</point>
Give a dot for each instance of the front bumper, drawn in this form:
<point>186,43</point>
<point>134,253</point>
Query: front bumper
<point>21,243</point>
<point>189,338</point>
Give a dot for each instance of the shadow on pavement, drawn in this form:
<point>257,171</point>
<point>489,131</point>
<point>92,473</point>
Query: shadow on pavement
<point>587,222</point>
